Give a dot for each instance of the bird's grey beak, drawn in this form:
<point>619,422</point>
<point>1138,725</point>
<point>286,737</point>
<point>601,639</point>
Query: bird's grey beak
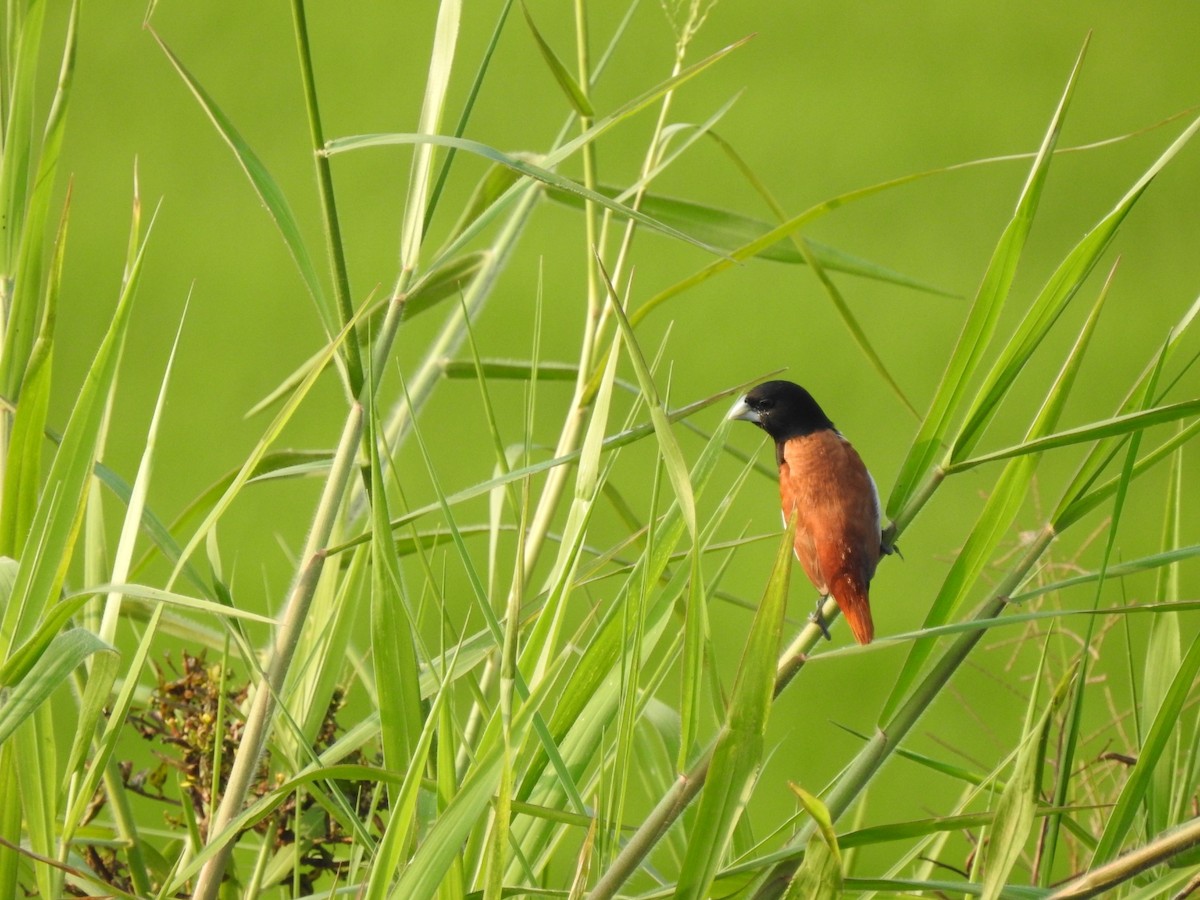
<point>742,411</point>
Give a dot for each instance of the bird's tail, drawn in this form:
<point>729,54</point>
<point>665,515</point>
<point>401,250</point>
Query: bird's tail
<point>851,596</point>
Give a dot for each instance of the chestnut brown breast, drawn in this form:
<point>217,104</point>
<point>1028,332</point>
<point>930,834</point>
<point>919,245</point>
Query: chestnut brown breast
<point>837,541</point>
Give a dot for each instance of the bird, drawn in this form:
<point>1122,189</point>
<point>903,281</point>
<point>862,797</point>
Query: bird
<point>824,481</point>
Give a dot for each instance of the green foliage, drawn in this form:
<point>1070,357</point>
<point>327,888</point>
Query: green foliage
<point>503,664</point>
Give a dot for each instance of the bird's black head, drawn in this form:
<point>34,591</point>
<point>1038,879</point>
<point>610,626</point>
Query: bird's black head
<point>781,409</point>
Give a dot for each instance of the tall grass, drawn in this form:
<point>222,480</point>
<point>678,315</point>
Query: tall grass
<point>546,714</point>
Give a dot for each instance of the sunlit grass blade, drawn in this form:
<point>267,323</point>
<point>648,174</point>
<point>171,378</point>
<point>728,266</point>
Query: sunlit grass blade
<point>1017,807</point>
<point>1163,659</point>
<point>259,452</point>
<point>570,87</point>
<point>68,650</point>
<point>23,463</point>
<point>264,185</point>
<point>59,515</point>
<point>1135,791</point>
<point>1003,504</point>
<point>437,80</point>
<point>1050,303</point>
<point>981,319</point>
<point>820,875</point>
<point>537,173</point>
<point>727,231</point>
<point>397,684</point>
<point>739,748</point>
<point>443,844</point>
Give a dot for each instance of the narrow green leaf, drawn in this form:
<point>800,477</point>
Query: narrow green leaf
<point>264,184</point>
<point>1050,303</point>
<point>1138,782</point>
<point>981,321</point>
<point>59,514</point>
<point>676,468</point>
<point>570,87</point>
<point>728,231</point>
<point>448,280</point>
<point>537,173</point>
<point>437,80</point>
<point>393,654</point>
<point>1002,506</point>
<point>1117,425</point>
<point>739,747</point>
<point>1017,808</point>
<point>68,650</point>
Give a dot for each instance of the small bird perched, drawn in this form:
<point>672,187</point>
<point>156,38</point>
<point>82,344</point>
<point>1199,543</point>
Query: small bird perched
<point>823,479</point>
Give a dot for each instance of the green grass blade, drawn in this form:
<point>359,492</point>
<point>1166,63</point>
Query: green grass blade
<point>68,650</point>
<point>1017,808</point>
<point>1050,303</point>
<point>59,515</point>
<point>1128,423</point>
<point>728,231</point>
<point>397,682</point>
<point>538,173</point>
<point>1003,504</point>
<point>981,320</point>
<point>437,80</point>
<point>23,464</point>
<point>739,748</point>
<point>570,87</point>
<point>264,185</point>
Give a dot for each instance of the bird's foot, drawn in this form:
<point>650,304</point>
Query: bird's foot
<point>819,620</point>
<point>887,542</point>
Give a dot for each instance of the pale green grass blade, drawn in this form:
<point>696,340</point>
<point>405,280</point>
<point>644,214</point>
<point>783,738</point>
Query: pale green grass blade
<point>1050,303</point>
<point>1017,808</point>
<point>101,675</point>
<point>677,471</point>
<point>60,511</point>
<point>519,165</point>
<point>137,498</point>
<point>26,216</point>
<point>1129,567</point>
<point>259,452</point>
<point>149,594</point>
<point>442,846</point>
<point>451,279</point>
<point>1138,783</point>
<point>334,244</point>
<point>468,107</point>
<point>264,185</point>
<point>68,650</point>
<point>728,231</point>
<point>1004,502</point>
<point>1164,657</point>
<point>402,813</point>
<point>437,80</point>
<point>570,87</point>
<point>1129,423</point>
<point>397,681</point>
<point>739,748</point>
<point>820,875</point>
<point>23,464</point>
<point>981,321</point>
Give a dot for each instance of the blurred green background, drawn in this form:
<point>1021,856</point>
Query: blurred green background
<point>833,96</point>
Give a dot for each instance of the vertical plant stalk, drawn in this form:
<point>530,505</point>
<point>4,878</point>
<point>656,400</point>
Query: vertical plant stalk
<point>333,229</point>
<point>258,720</point>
